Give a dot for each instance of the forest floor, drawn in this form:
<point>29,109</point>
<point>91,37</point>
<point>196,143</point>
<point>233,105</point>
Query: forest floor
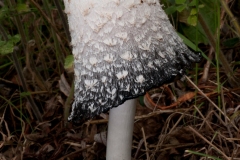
<point>195,117</point>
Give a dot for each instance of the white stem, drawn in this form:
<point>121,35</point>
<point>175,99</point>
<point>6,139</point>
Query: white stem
<point>120,129</point>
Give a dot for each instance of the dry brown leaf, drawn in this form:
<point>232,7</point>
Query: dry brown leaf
<point>50,107</point>
<point>34,137</point>
<point>101,138</point>
<point>64,86</point>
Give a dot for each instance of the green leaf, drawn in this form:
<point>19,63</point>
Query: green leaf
<point>68,62</point>
<point>3,12</point>
<point>170,10</point>
<point>209,14</point>
<point>193,46</point>
<point>15,39</point>
<point>193,3</point>
<point>141,100</point>
<point>180,1</point>
<point>189,43</point>
<point>7,47</point>
<point>201,6</point>
<point>231,42</point>
<point>194,33</point>
<point>22,8</point>
<point>24,94</point>
<point>193,11</point>
<point>192,20</point>
<point>181,7</point>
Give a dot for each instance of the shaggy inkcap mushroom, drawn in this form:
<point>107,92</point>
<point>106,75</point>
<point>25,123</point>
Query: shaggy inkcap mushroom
<point>122,49</point>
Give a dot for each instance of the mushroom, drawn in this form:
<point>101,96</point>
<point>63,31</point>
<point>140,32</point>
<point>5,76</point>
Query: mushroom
<point>121,48</point>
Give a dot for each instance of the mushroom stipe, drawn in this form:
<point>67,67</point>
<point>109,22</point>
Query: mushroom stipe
<point>123,49</point>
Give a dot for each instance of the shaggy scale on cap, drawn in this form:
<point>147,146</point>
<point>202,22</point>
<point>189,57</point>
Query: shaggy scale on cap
<point>122,49</point>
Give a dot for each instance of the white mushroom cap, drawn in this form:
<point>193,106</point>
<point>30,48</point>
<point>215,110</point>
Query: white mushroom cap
<point>122,48</point>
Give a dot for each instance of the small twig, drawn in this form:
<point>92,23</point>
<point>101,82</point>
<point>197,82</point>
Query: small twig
<point>207,66</point>
<point>166,127</point>
<point>202,137</point>
<point>138,148</point>
<point>145,143</point>
<point>228,70</point>
<point>204,119</point>
<point>75,152</point>
<point>67,105</point>
<point>201,92</point>
<point>229,90</point>
<point>45,16</point>
<point>232,18</point>
<point>31,67</point>
<point>22,79</point>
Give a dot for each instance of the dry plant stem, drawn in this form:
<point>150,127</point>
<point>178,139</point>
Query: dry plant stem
<point>65,24</point>
<point>120,129</point>
<point>165,130</point>
<point>145,143</point>
<point>140,145</point>
<point>75,152</point>
<point>18,22</point>
<point>38,40</point>
<point>3,33</point>
<point>216,148</point>
<point>204,119</point>
<point>32,68</point>
<point>57,49</point>
<point>200,92</point>
<point>232,18</point>
<point>228,70</point>
<point>67,105</point>
<point>34,107</point>
<point>225,120</point>
<point>45,16</point>
<point>207,67</point>
<point>231,91</point>
<point>22,79</point>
